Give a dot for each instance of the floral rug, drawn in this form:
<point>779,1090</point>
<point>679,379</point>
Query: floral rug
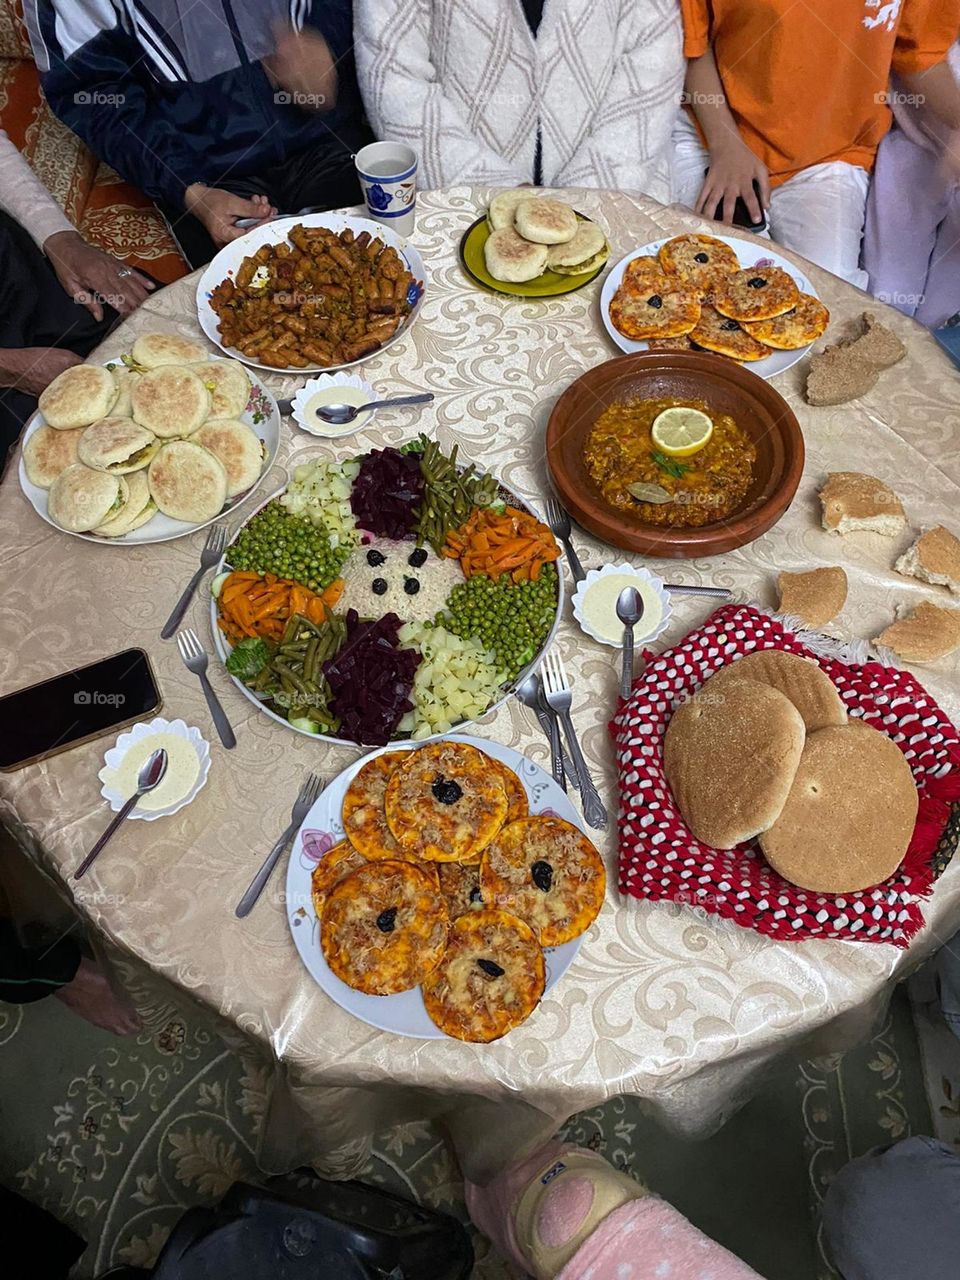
<point>118,1137</point>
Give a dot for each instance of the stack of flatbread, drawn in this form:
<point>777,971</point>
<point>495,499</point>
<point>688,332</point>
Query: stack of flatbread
<point>531,234</point>
<point>765,750</point>
<point>159,432</point>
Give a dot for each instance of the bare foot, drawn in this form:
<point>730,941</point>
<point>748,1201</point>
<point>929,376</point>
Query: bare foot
<point>91,997</point>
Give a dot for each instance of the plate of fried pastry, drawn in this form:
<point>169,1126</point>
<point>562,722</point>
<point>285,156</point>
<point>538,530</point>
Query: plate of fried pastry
<point>732,297</point>
<point>443,890</point>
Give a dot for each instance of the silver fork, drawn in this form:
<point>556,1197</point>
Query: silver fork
<point>195,660</point>
<point>211,553</point>
<point>301,807</point>
<point>559,522</point>
<point>559,698</point>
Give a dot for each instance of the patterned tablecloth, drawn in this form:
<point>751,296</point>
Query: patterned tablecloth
<point>684,1011</point>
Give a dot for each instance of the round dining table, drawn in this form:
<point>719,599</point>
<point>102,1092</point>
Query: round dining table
<point>684,1010</point>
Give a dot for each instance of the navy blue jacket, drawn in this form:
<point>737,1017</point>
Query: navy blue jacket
<point>171,92</point>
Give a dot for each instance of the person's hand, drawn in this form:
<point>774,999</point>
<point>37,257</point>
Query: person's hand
<point>733,168</point>
<point>303,65</point>
<point>32,369</point>
<point>218,209</point>
<point>91,997</point>
<point>91,276</point>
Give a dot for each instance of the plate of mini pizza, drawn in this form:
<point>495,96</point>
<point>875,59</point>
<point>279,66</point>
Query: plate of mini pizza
<point>442,891</point>
<point>731,297</point>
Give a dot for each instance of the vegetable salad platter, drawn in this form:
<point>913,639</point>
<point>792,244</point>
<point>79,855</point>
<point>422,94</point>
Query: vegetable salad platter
<point>389,597</point>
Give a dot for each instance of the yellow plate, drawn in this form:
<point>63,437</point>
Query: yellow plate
<point>551,284</point>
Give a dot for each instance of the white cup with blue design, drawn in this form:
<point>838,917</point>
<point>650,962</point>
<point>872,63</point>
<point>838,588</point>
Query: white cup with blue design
<point>388,176</point>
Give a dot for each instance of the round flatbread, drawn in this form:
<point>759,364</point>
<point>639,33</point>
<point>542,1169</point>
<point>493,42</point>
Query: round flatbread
<point>48,452</point>
<point>80,395</point>
<point>384,928</point>
<point>798,327</point>
<point>491,977</point>
<point>153,350</point>
<point>503,207</point>
<point>187,482</point>
<point>698,260</point>
<point>126,379</point>
<point>137,510</point>
<point>587,244</point>
<point>363,815</point>
<point>800,680</point>
<point>444,803</point>
<point>170,401</point>
<point>228,384</point>
<point>547,872</point>
<point>730,757</point>
<point>850,814</point>
<point>511,258</point>
<point>545,221</point>
<point>755,293</point>
<point>460,886</point>
<point>117,444</point>
<point>81,498</point>
<point>662,313</point>
<point>238,448</point>
<point>726,337</point>
<point>341,861</point>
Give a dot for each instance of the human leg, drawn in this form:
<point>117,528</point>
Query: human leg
<point>941,298</point>
<point>689,162</point>
<point>321,176</point>
<point>819,213</point>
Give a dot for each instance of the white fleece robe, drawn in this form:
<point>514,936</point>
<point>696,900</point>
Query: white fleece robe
<point>465,83</point>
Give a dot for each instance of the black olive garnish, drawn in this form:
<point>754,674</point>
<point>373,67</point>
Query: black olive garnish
<point>491,969</point>
<point>542,874</point>
<point>418,557</point>
<point>387,919</point>
<point>411,586</point>
<point>757,282</point>
<point>730,324</point>
<point>378,586</point>
<point>375,557</point>
<point>476,895</point>
<point>700,257</point>
<point>446,792</point>
<point>656,302</point>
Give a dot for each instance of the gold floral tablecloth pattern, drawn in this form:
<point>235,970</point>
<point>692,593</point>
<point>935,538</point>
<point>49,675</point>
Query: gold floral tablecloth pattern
<point>662,1002</point>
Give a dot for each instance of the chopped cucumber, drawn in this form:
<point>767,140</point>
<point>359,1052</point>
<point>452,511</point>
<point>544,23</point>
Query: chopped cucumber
<point>216,586</point>
<point>305,724</point>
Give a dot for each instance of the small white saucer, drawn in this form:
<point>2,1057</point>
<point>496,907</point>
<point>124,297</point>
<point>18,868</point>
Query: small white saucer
<point>341,388</point>
<point>139,731</point>
<point>653,584</point>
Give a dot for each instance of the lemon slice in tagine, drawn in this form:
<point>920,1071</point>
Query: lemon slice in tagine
<point>681,431</point>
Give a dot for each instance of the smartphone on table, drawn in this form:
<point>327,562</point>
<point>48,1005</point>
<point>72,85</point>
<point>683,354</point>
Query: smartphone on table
<point>67,710</point>
<point>741,214</point>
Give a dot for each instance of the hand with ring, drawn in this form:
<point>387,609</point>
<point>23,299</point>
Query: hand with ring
<point>92,277</point>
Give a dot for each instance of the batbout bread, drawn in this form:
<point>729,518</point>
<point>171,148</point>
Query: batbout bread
<point>923,635</point>
<point>800,681</point>
<point>933,558</point>
<point>228,384</point>
<point>126,380</point>
<point>545,221</point>
<point>853,501</point>
<point>170,401</point>
<point>153,350</point>
<point>48,452</point>
<point>511,258</point>
<point>187,482</point>
<point>117,444</point>
<point>237,447</point>
<point>850,814</point>
<point>80,395</point>
<point>730,761</point>
<point>815,596</point>
<point>588,243</point>
<point>502,207</point>
<point>138,509</point>
<point>81,498</point>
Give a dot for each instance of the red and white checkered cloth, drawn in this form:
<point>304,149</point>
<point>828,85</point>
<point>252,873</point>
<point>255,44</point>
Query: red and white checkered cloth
<point>661,860</point>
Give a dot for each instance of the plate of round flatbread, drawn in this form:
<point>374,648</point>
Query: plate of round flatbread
<point>386,930</point>
<point>739,299</point>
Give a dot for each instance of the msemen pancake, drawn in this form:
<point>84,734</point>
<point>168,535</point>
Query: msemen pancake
<point>228,384</point>
<point>139,508</point>
<point>187,482</point>
<point>237,447</point>
<point>117,444</point>
<point>730,760</point>
<point>510,257</point>
<point>171,401</point>
<point>850,814</point>
<point>585,252</point>
<point>81,498</point>
<point>49,452</point>
<point>503,207</point>
<point>800,680</point>
<point>155,349</point>
<point>80,395</point>
<point>545,221</point>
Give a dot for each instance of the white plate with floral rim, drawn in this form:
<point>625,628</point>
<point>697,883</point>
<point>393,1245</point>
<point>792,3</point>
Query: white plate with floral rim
<point>404,1014</point>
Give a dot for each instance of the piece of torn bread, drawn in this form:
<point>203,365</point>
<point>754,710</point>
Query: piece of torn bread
<point>924,634</point>
<point>877,345</point>
<point>815,596</point>
<point>933,558</point>
<point>853,501</point>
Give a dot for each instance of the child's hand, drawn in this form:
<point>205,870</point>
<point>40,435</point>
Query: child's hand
<point>733,168</point>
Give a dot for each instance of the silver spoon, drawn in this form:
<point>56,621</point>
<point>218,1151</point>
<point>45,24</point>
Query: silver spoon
<point>629,611</point>
<point>530,694</point>
<point>341,414</point>
<point>150,775</point>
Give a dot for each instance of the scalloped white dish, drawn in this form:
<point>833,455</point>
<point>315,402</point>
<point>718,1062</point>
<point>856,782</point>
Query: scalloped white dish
<point>332,388</point>
<point>595,600</point>
<point>114,757</point>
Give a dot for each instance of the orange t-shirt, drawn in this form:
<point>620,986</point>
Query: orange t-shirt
<point>807,82</point>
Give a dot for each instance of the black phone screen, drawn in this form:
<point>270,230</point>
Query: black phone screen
<point>56,714</point>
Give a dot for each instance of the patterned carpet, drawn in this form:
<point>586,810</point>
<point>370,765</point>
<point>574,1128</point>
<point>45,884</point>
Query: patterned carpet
<point>117,1137</point>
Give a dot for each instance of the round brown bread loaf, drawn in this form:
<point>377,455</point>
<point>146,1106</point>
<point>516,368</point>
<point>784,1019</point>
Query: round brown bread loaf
<point>809,688</point>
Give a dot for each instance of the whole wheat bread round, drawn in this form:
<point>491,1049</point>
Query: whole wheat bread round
<point>801,681</point>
